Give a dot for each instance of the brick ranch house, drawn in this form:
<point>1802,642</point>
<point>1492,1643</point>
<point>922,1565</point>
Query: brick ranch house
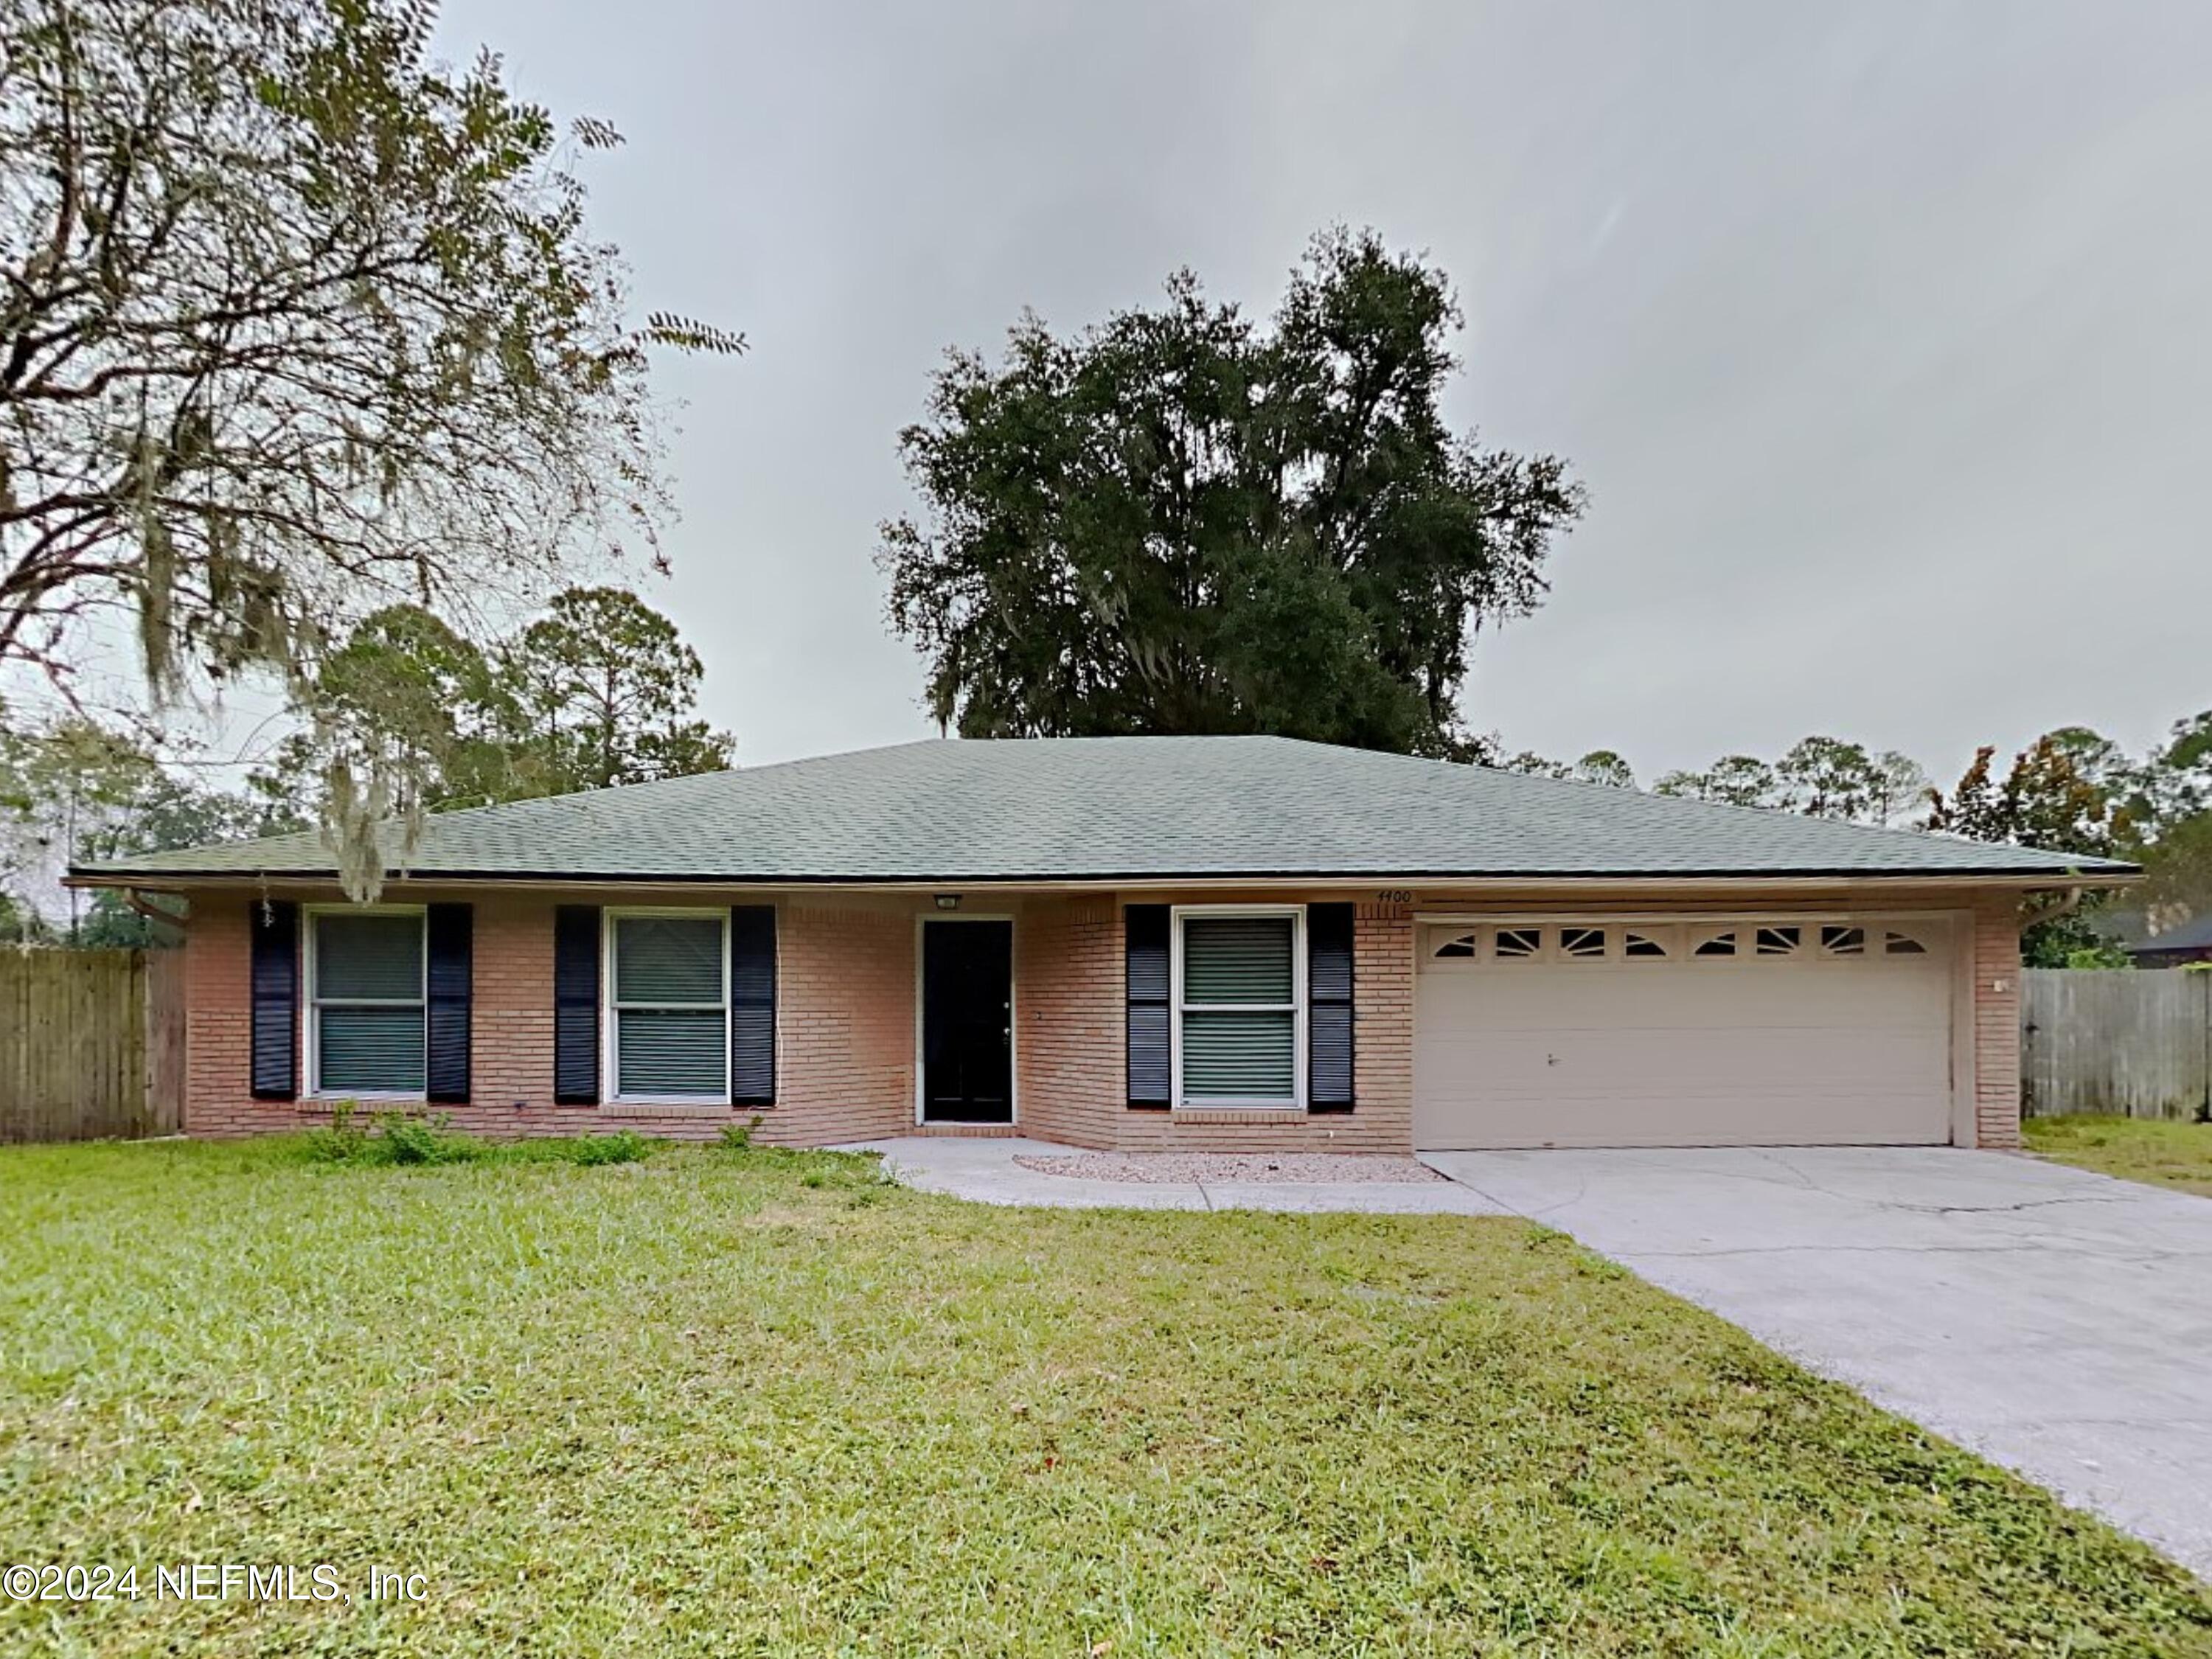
<point>1234,944</point>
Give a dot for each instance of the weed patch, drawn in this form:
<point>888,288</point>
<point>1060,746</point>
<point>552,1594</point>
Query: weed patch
<point>405,1139</point>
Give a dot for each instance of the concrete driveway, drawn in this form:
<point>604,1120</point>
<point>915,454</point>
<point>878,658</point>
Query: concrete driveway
<point>2055,1321</point>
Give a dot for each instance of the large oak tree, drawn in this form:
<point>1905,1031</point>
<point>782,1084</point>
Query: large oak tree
<point>1180,520</point>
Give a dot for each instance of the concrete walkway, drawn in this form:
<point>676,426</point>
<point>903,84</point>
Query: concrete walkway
<point>985,1171</point>
<point>2057,1321</point>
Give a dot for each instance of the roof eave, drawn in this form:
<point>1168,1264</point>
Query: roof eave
<point>2015,877</point>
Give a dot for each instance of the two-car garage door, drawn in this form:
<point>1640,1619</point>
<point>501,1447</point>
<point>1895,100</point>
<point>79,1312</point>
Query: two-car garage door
<point>1774,1031</point>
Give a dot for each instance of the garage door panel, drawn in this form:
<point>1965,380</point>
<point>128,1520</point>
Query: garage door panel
<point>1682,1068</point>
<point>1607,998</point>
<point>1721,1121</point>
<point>1684,1063</point>
<point>1521,1054</point>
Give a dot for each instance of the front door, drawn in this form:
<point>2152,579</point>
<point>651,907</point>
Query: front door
<point>967,1021</point>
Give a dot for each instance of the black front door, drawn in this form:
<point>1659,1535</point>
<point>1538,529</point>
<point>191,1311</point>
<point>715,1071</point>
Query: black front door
<point>967,1022</point>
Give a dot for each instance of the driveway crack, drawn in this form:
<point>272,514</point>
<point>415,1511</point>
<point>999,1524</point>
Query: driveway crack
<point>1458,1180</point>
<point>1903,1207</point>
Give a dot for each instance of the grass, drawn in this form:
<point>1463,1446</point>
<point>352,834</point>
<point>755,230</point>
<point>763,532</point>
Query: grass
<point>2164,1153</point>
<point>744,1402</point>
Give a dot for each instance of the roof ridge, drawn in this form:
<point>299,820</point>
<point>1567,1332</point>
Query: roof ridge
<point>603,791</point>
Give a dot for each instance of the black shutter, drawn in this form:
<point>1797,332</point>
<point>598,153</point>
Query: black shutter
<point>576,1005</point>
<point>452,928</point>
<point>752,1004</point>
<point>1328,1007</point>
<point>276,1021</point>
<point>1145,930</point>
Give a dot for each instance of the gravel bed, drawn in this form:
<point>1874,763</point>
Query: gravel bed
<point>1158,1169</point>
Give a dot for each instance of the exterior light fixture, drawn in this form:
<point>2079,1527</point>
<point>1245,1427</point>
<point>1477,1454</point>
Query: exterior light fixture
<point>948,901</point>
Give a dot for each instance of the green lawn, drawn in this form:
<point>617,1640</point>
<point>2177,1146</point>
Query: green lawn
<point>743,1403</point>
<point>2164,1154</point>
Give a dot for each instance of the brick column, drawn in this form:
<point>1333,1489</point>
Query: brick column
<point>1069,1040</point>
<point>218,1023</point>
<point>1382,1023</point>
<point>1997,1024</point>
<point>845,1020</point>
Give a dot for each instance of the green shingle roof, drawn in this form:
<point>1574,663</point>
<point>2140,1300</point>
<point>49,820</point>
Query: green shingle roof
<point>1130,808</point>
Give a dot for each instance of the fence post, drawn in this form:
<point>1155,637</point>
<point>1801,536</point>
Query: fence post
<point>165,1041</point>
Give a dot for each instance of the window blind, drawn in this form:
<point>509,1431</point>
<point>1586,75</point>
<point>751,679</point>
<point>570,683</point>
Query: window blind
<point>1239,1027</point>
<point>371,1050</point>
<point>670,1051</point>
<point>1237,1056</point>
<point>368,959</point>
<point>665,959</point>
<point>671,1015</point>
<point>368,992</point>
<point>1235,959</point>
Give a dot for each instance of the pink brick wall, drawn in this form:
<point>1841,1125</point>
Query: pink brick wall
<point>218,1028</point>
<point>845,1043</point>
<point>1381,1119</point>
<point>1069,1056</point>
<point>846,1038</point>
<point>845,1023</point>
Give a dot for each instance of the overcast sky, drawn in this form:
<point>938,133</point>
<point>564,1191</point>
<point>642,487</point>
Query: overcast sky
<point>1881,333</point>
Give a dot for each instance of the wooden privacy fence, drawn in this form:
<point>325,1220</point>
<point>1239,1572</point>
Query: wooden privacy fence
<point>92,1043</point>
<point>2130,1041</point>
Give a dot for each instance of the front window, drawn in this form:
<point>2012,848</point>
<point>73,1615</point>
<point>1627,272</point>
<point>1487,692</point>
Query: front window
<point>669,982</point>
<point>366,972</point>
<point>1239,975</point>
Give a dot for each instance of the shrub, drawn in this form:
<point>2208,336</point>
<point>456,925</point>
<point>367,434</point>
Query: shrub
<point>405,1140</point>
<point>343,1142</point>
<point>396,1138</point>
<point>2102,954</point>
<point>402,1138</point>
<point>739,1137</point>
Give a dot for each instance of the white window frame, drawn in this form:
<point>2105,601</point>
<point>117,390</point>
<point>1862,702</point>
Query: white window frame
<point>1177,1008</point>
<point>311,1038</point>
<point>611,1011</point>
